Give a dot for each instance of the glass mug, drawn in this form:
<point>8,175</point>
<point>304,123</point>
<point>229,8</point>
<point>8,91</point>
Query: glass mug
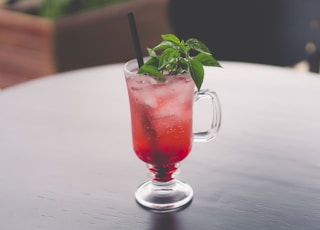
<point>162,134</point>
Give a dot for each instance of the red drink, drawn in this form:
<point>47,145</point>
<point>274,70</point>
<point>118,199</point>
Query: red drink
<point>161,118</point>
<point>162,135</point>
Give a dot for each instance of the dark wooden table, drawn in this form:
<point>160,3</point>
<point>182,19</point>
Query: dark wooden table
<point>66,158</point>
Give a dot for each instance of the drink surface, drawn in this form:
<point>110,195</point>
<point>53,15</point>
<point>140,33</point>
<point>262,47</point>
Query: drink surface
<point>161,117</point>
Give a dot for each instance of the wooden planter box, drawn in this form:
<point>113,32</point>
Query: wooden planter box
<point>32,47</point>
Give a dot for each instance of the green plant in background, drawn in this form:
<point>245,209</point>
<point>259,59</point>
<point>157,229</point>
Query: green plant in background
<point>55,9</point>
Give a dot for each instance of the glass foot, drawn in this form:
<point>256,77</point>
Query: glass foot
<point>164,196</point>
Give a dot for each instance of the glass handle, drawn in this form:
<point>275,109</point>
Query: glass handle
<point>209,134</point>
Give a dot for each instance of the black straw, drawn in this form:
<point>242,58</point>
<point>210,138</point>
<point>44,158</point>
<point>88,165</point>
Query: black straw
<point>135,38</point>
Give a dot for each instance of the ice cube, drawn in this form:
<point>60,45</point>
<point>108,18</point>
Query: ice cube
<point>150,101</point>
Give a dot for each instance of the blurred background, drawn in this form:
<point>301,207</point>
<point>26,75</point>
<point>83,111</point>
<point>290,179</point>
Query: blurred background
<point>43,37</point>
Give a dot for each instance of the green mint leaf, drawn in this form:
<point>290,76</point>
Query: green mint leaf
<point>184,48</point>
<point>171,38</point>
<point>164,45</point>
<point>150,70</point>
<point>198,46</point>
<point>151,53</point>
<point>168,57</point>
<point>183,64</point>
<point>197,72</point>
<point>207,60</point>
<point>153,61</point>
<point>176,59</point>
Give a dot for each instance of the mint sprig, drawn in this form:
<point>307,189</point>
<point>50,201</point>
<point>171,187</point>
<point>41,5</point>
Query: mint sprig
<point>176,58</point>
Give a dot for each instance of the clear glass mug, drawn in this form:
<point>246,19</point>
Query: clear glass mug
<point>162,134</point>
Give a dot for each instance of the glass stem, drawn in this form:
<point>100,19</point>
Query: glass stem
<point>163,173</point>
